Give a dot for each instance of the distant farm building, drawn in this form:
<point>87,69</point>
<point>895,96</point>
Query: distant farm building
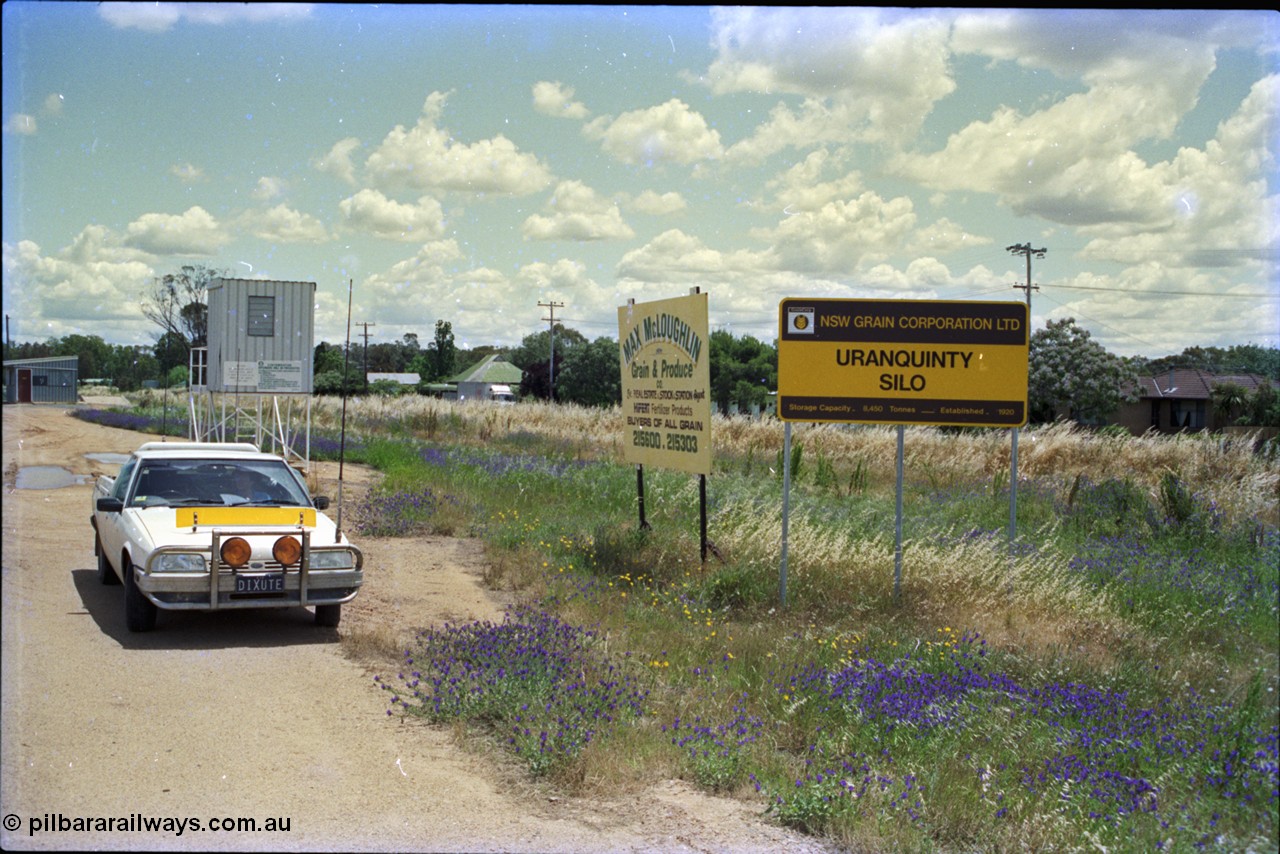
<point>491,379</point>
<point>52,379</point>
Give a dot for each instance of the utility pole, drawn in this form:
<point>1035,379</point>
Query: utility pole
<point>365,334</point>
<point>1019,249</point>
<point>552,306</point>
<point>1025,249</point>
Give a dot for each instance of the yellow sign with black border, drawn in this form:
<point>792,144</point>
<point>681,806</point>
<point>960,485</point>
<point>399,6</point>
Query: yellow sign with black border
<point>903,362</point>
<point>666,382</point>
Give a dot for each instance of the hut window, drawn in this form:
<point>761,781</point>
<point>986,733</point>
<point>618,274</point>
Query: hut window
<point>262,316</point>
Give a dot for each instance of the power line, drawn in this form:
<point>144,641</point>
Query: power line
<point>1094,320</point>
<point>1132,292</point>
<point>551,319</point>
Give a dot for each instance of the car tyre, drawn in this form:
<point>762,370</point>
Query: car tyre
<point>328,615</point>
<point>106,574</point>
<point>139,611</point>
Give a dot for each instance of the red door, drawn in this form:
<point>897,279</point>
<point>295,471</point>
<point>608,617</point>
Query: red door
<point>24,385</point>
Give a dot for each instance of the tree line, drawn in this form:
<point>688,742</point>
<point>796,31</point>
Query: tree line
<point>1070,374</point>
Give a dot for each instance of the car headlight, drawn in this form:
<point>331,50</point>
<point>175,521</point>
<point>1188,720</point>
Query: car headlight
<point>178,563</point>
<point>332,559</point>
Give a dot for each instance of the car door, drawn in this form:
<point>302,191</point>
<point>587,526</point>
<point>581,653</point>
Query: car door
<point>111,529</point>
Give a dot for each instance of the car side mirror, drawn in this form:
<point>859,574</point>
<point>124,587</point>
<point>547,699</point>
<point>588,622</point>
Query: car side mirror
<point>110,505</point>
<point>321,502</point>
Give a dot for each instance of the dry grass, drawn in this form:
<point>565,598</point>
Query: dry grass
<point>372,643</point>
<point>1030,600</point>
<point>1242,484</point>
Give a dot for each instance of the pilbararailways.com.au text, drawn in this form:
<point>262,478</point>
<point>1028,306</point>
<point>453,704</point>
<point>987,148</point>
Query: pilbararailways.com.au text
<point>139,823</point>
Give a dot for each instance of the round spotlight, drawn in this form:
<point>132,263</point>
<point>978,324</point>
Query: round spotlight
<point>287,550</point>
<point>235,552</point>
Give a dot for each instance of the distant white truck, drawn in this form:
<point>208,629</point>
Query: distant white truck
<point>208,526</point>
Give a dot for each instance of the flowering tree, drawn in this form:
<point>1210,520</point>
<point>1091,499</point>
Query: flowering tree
<point>1070,374</point>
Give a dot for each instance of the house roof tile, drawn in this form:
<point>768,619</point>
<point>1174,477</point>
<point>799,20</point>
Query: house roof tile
<point>1193,384</point>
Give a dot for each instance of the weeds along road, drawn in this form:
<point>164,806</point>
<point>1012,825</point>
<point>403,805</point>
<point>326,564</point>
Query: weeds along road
<point>259,714</point>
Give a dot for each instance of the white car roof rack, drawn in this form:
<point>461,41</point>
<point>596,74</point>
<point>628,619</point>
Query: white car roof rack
<point>234,447</point>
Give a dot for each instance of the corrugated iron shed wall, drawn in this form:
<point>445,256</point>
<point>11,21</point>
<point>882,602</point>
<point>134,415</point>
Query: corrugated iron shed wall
<point>53,379</point>
<point>235,331</point>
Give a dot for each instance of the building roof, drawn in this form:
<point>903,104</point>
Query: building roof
<point>1192,384</point>
<point>403,379</point>
<point>41,360</point>
<point>491,369</point>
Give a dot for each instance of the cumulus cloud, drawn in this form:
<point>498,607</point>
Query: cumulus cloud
<point>806,186</point>
<point>676,257</point>
<point>1218,199</point>
<point>187,173</point>
<point>93,282</point>
<point>866,74</point>
<point>658,204</point>
<point>944,236</point>
<point>194,232</point>
<point>427,157</point>
<point>268,188</point>
<point>556,99</point>
<point>1075,162</point>
<point>1140,292</point>
<point>667,133</point>
<point>575,212</point>
<point>426,286</point>
<point>20,124</point>
<point>282,224</point>
<point>161,17</point>
<point>337,162</point>
<point>1140,46</point>
<point>566,281</point>
<point>841,235</point>
<point>371,212</point>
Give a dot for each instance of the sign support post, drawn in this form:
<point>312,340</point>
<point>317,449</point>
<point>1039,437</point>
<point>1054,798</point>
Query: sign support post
<point>786,508</point>
<point>1013,486</point>
<point>702,512</point>
<point>902,362</point>
<point>897,524</point>
<point>666,400</point>
<point>644,524</point>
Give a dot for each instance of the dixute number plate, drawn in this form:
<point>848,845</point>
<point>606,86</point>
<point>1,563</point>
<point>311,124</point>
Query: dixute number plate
<point>273,583</point>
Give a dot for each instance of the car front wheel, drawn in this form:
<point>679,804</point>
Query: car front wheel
<point>106,574</point>
<point>328,615</point>
<point>139,611</point>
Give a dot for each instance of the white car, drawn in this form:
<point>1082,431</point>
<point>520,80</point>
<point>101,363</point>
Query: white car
<point>207,526</point>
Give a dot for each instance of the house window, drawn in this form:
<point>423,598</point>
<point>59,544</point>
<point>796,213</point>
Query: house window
<point>1155,414</point>
<point>262,316</point>
<point>1188,415</point>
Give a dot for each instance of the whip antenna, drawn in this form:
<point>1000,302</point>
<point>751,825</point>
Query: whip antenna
<point>342,441</point>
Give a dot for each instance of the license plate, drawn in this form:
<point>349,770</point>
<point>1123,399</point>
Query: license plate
<point>273,583</point>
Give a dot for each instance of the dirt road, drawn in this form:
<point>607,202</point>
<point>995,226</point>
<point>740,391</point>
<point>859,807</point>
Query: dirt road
<point>260,714</point>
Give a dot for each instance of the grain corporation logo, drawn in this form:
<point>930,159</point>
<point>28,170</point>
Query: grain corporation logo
<point>800,320</point>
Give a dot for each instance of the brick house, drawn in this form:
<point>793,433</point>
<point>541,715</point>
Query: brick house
<point>1182,399</point>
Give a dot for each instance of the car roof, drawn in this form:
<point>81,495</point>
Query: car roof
<point>210,450</point>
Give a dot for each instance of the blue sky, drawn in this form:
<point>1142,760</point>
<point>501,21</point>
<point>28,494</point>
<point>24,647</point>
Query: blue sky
<point>465,163</point>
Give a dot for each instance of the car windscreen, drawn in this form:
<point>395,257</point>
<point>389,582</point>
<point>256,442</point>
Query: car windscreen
<point>181,482</point>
